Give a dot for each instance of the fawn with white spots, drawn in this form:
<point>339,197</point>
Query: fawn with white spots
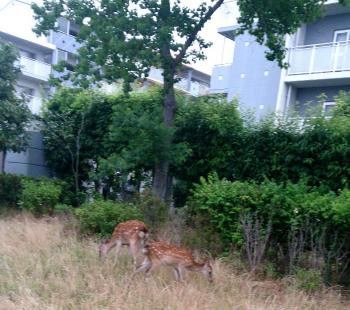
<point>161,253</point>
<point>131,233</point>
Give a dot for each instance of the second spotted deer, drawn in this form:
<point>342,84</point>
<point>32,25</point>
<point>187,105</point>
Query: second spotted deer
<point>180,258</point>
<point>130,233</point>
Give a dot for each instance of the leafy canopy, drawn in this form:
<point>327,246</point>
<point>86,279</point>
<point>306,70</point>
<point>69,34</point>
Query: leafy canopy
<point>14,113</point>
<point>123,39</point>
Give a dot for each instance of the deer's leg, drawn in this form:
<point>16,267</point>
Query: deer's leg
<point>118,246</point>
<point>145,266</point>
<point>177,274</point>
<point>150,268</point>
<point>104,253</point>
<point>133,249</point>
<point>181,271</point>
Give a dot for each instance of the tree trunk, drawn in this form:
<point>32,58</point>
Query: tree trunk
<point>161,169</point>
<point>2,161</point>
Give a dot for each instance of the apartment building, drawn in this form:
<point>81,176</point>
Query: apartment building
<point>193,82</point>
<point>319,58</point>
<point>35,62</point>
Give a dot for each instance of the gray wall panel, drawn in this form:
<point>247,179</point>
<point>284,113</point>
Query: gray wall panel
<point>220,77</point>
<point>307,97</point>
<point>29,162</point>
<point>253,79</point>
<point>322,31</point>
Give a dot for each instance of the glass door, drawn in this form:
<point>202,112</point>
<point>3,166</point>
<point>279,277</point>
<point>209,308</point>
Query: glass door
<point>342,51</point>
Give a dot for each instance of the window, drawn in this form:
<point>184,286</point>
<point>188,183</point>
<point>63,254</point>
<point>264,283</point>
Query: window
<point>327,108</point>
<point>73,29</point>
<point>68,57</point>
<point>72,60</point>
<point>62,25</point>
<point>67,27</point>
<point>341,49</point>
<point>341,35</point>
<point>61,55</point>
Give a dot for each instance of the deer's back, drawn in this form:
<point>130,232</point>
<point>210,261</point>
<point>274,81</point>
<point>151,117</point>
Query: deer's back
<point>168,254</point>
<point>128,230</point>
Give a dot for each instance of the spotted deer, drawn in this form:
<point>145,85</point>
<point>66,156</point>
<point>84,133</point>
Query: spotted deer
<point>130,233</point>
<point>161,253</point>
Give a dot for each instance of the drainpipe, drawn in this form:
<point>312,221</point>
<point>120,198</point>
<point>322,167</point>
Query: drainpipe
<point>189,78</point>
<point>2,161</point>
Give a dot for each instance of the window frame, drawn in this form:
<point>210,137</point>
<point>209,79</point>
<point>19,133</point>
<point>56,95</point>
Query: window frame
<point>328,104</point>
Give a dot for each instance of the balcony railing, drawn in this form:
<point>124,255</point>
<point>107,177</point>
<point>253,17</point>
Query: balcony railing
<point>35,68</point>
<point>320,58</point>
<point>195,88</point>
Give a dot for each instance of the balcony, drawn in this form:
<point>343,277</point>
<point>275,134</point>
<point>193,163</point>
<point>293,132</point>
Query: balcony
<point>326,64</point>
<point>193,87</point>
<point>35,68</point>
<point>198,89</point>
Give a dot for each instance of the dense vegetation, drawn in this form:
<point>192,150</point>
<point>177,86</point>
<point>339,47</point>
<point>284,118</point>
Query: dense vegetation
<point>113,141</point>
<point>275,191</point>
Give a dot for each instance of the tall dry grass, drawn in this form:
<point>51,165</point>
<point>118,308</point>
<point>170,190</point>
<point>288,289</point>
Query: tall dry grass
<point>44,265</point>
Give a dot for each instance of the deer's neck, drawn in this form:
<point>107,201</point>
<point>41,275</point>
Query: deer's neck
<point>110,244</point>
<point>196,267</point>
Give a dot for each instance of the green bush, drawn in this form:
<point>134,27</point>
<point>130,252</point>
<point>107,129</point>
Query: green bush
<point>10,190</point>
<point>40,196</point>
<point>203,238</point>
<point>62,208</point>
<point>341,209</point>
<point>308,280</point>
<point>289,206</point>
<point>301,219</point>
<point>101,216</point>
<point>154,211</point>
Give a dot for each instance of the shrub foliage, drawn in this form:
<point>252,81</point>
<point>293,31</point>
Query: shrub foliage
<point>101,216</point>
<point>284,221</point>
<point>40,196</point>
<point>10,190</point>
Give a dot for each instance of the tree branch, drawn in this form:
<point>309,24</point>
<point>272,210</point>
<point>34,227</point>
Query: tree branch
<point>195,31</point>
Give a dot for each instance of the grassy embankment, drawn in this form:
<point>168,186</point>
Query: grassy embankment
<point>45,265</point>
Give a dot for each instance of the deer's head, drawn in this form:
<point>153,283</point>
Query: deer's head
<point>207,270</point>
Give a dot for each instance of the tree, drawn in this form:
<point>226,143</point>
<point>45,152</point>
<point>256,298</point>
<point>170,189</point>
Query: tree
<point>123,39</point>
<point>14,113</point>
<point>75,122</point>
<point>342,107</point>
<point>212,130</point>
